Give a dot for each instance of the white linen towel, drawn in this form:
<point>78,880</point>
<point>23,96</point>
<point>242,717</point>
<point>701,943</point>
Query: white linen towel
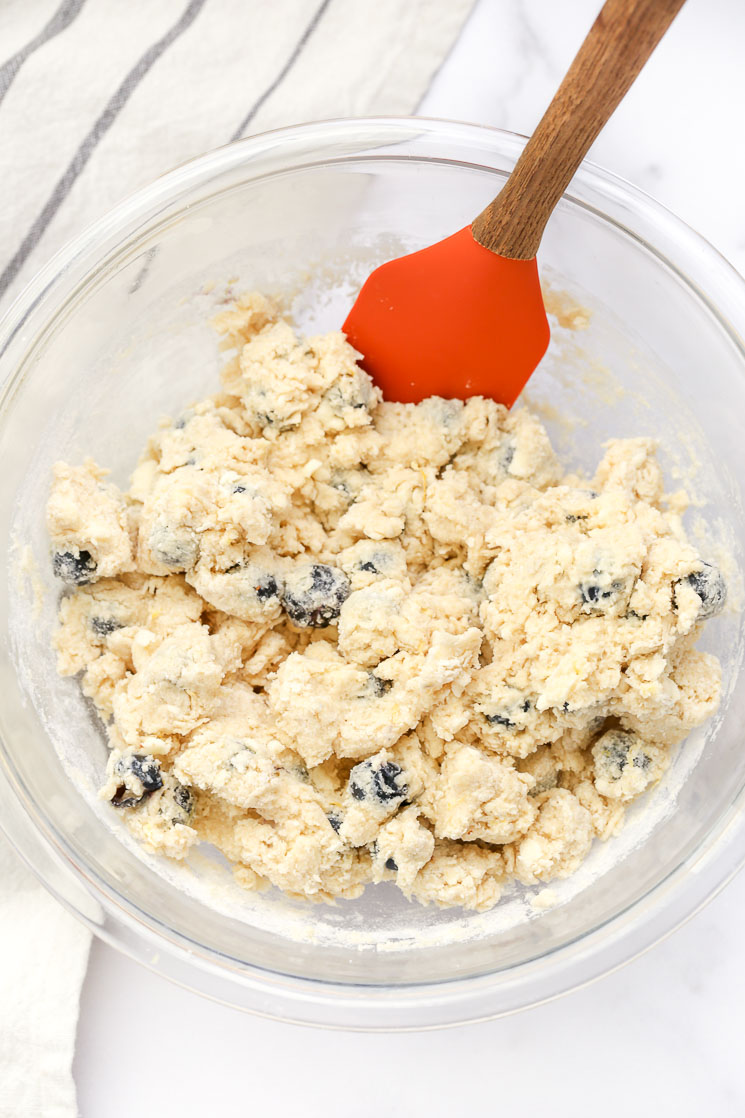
<point>97,98</point>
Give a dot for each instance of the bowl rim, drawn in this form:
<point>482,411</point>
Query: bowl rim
<point>230,154</point>
<point>313,1001</point>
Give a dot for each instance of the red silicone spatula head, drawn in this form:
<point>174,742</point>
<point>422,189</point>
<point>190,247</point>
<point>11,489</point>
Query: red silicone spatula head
<point>465,317</point>
<point>452,320</point>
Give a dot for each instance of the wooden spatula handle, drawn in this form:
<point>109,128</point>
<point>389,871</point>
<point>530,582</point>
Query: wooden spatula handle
<point>618,44</point>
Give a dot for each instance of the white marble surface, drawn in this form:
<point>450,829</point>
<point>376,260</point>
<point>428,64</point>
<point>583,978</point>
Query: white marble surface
<point>660,1036</point>
<point>678,132</point>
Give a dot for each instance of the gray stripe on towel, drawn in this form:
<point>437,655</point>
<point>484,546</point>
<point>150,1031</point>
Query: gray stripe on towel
<point>61,20</point>
<point>282,73</point>
<point>297,51</point>
<point>95,135</point>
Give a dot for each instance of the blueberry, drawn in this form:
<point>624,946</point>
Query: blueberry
<point>544,783</point>
<point>76,569</point>
<point>711,589</point>
<point>379,558</point>
<point>616,755</point>
<point>385,782</point>
<point>250,589</point>
<point>380,784</point>
<point>350,391</point>
<point>147,770</point>
<point>175,802</point>
<point>140,775</point>
<point>266,587</point>
<point>505,717</point>
<point>104,626</point>
<point>500,720</point>
<point>263,584</point>
<point>313,597</point>
<point>335,822</point>
<point>183,799</point>
<point>596,592</point>
<point>121,799</point>
<point>614,750</point>
<point>444,412</point>
<point>507,455</point>
<point>390,864</point>
<point>175,546</point>
<point>239,489</point>
<point>340,483</point>
<point>592,593</point>
<point>613,754</point>
<point>377,687</point>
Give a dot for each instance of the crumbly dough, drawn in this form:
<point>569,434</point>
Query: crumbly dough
<point>349,641</point>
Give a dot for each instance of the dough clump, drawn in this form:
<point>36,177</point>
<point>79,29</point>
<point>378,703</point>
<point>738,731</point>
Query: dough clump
<point>350,641</point>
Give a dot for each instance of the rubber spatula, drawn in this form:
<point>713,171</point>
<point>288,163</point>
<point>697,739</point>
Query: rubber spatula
<point>465,317</point>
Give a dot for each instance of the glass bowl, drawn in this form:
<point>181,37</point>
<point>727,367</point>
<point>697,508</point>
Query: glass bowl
<point>114,333</point>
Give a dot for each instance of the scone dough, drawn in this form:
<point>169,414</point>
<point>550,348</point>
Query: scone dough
<point>348,641</point>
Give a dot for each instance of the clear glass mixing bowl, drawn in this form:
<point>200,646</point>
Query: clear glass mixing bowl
<point>114,333</point>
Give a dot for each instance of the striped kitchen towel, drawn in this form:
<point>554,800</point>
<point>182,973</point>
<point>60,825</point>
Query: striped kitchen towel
<point>97,98</point>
